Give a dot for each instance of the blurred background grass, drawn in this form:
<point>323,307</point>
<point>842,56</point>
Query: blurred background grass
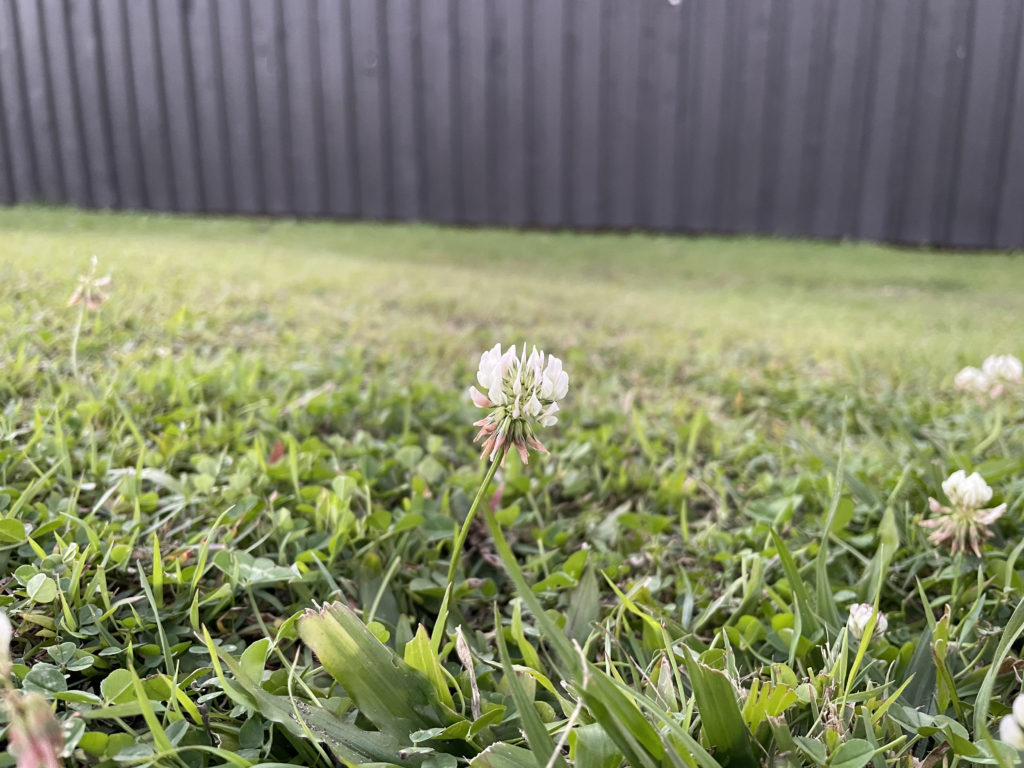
<point>436,294</point>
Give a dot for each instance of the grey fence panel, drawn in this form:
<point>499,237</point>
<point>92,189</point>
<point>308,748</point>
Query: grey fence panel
<point>985,114</point>
<point>1010,216</point>
<point>271,92</point>
<point>511,97</point>
<point>748,112</point>
<point>402,72</point>
<point>686,191</point>
<point>904,128</point>
<point>64,100</point>
<point>6,170</point>
<point>471,126</point>
<point>211,126</point>
<point>305,106</point>
<point>622,24</point>
<point>727,138</point>
<point>120,106</point>
<point>924,163</point>
<point>795,101</point>
<point>820,63</point>
<point>836,126</point>
<point>44,141</point>
<point>152,113</point>
<point>338,111</point>
<point>881,139</point>
<point>548,75</point>
<point>370,64</point>
<point>92,105</point>
<point>659,154</point>
<point>951,141</point>
<point>18,173</point>
<point>439,111</point>
<point>895,120</point>
<point>585,67</point>
<point>174,56</point>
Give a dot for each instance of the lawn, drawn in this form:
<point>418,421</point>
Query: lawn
<point>266,417</point>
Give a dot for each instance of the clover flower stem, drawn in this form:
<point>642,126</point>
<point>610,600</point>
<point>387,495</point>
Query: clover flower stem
<point>74,339</point>
<point>460,541</point>
<point>958,567</point>
<point>993,435</point>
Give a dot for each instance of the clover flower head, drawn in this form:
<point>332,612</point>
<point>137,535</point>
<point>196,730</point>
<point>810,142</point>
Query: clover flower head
<point>1006,369</point>
<point>997,374</point>
<point>1011,727</point>
<point>967,491</point>
<point>34,735</point>
<point>965,523</point>
<point>90,289</point>
<point>521,391</point>
<point>973,380</point>
<point>860,615</point>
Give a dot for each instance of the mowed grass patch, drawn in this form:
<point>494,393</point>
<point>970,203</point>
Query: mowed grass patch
<point>656,298</point>
<point>269,416</point>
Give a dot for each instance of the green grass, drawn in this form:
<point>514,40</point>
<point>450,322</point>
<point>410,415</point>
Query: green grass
<point>269,414</point>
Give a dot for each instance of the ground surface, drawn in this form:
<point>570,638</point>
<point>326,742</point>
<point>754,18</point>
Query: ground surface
<point>268,414</point>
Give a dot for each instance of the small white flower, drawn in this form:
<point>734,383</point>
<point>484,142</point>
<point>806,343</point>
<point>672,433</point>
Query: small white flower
<point>860,615</point>
<point>1011,727</point>
<point>522,392</point>
<point>1005,369</point>
<point>966,523</point>
<point>973,380</point>
<point>548,418</point>
<point>967,491</point>
<point>555,384</point>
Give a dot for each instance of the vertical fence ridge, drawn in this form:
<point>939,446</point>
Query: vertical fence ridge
<point>1005,129</point>
<point>897,120</point>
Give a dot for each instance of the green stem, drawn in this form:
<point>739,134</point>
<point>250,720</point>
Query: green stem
<point>74,340</point>
<point>958,565</point>
<point>441,626</point>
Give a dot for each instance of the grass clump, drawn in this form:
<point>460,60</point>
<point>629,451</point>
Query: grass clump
<point>262,448</point>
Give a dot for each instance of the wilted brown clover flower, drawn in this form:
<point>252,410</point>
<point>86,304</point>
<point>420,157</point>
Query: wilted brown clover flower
<point>89,291</point>
<point>965,523</point>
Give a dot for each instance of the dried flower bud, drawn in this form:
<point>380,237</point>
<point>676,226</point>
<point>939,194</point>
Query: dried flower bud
<point>90,289</point>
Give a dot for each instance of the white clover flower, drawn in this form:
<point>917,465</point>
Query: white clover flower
<point>1005,369</point>
<point>521,391</point>
<point>966,491</point>
<point>973,380</point>
<point>966,523</point>
<point>1011,727</point>
<point>860,615</point>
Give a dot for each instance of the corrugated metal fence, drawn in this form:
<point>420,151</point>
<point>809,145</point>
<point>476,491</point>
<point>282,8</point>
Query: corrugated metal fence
<point>897,120</point>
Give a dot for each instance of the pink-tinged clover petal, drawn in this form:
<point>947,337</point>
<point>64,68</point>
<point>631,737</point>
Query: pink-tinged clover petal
<point>480,400</point>
<point>989,516</point>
